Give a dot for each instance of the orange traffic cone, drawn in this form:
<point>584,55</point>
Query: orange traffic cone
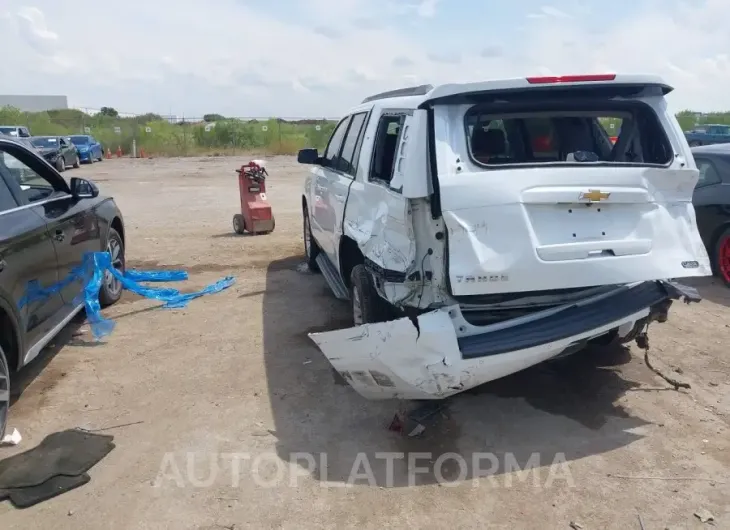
<point>119,152</point>
<point>108,153</point>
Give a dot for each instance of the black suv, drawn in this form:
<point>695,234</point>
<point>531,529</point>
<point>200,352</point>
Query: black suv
<point>46,227</point>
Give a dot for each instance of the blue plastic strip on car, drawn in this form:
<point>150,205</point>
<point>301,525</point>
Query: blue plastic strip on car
<point>100,262</point>
<point>91,273</point>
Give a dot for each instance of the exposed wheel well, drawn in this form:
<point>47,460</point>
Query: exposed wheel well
<point>350,256</point>
<point>119,227</point>
<point>9,340</point>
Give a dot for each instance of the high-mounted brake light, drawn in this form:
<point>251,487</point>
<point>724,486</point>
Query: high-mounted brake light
<point>544,80</point>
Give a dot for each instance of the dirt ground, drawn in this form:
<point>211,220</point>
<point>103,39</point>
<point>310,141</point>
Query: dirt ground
<point>234,379</point>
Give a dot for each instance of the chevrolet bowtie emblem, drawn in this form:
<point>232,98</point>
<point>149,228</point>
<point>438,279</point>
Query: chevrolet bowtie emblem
<point>594,196</point>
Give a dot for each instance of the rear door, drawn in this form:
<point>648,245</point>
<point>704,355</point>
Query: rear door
<point>28,265</point>
<point>535,195</point>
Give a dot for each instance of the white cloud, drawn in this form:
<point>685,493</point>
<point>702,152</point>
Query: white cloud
<point>427,8</point>
<point>326,55</point>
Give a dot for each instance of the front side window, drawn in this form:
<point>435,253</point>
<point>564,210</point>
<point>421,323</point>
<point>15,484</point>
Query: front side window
<point>348,161</point>
<point>7,201</point>
<point>335,143</point>
<point>32,185</point>
<point>562,133</point>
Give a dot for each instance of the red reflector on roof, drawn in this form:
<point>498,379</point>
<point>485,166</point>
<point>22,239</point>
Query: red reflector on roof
<point>543,80</point>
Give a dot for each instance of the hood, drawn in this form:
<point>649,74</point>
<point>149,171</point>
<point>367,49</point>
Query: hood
<point>47,150</point>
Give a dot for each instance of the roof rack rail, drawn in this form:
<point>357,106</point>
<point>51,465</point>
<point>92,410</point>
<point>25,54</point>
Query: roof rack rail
<point>420,90</point>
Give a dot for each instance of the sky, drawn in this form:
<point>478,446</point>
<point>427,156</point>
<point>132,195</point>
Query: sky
<point>317,58</point>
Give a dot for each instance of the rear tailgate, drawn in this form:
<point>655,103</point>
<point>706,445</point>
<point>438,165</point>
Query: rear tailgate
<point>523,214</point>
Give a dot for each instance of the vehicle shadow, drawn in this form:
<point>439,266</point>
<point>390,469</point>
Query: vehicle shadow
<point>68,336</point>
<point>710,288</point>
<point>555,413</point>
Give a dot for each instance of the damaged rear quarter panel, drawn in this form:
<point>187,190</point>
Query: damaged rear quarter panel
<point>379,221</point>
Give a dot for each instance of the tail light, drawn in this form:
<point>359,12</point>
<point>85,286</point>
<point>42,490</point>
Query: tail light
<point>546,80</point>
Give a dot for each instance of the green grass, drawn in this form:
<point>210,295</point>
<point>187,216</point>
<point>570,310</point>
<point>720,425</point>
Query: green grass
<point>189,138</point>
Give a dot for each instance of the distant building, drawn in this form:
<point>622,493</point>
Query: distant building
<point>34,103</point>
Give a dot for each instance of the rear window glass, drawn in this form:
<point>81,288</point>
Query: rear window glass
<point>565,135</point>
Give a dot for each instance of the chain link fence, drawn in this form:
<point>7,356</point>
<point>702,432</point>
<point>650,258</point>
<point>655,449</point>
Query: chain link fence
<point>172,136</point>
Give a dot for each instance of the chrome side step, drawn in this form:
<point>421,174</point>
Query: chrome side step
<point>34,350</point>
<point>332,277</point>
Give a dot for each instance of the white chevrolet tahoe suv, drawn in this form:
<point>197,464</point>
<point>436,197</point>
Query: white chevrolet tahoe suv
<point>479,229</point>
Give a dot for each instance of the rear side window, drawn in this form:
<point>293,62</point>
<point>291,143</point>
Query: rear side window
<point>564,133</point>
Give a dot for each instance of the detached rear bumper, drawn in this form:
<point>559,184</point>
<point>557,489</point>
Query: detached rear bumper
<point>396,359</point>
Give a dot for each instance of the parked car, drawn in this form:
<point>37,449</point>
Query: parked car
<point>708,135</point>
<point>46,226</point>
<point>58,150</point>
<point>15,130</point>
<point>711,200</point>
<point>89,149</point>
<point>468,255</point>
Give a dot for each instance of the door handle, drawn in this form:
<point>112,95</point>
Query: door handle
<point>60,235</point>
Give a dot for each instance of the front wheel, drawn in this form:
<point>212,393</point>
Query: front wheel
<point>722,256</point>
<point>111,287</point>
<point>4,392</point>
<point>367,305</point>
<point>311,249</point>
<point>239,225</point>
<point>77,163</point>
<point>61,164</point>
<point>695,144</point>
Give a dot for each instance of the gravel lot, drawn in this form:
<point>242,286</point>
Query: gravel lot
<point>235,374</point>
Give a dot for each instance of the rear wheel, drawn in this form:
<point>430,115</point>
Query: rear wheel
<point>4,392</point>
<point>311,249</point>
<point>722,256</point>
<point>111,287</point>
<point>367,305</point>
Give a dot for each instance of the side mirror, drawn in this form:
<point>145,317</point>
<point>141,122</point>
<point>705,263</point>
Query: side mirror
<point>308,156</point>
<point>83,189</point>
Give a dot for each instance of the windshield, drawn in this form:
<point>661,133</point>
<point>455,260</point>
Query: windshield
<point>43,141</point>
<point>12,131</point>
<point>80,140</point>
<point>568,133</point>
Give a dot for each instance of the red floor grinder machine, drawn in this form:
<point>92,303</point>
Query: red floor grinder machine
<point>256,216</point>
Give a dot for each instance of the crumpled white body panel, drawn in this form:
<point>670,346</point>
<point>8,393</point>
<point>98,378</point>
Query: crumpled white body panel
<point>392,360</point>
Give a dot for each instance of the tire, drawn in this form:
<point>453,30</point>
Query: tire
<point>77,164</point>
<point>91,159</point>
<point>239,225</point>
<point>61,164</point>
<point>722,257</point>
<point>367,305</point>
<point>4,392</point>
<point>311,249</point>
<point>111,288</point>
<point>695,143</point>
